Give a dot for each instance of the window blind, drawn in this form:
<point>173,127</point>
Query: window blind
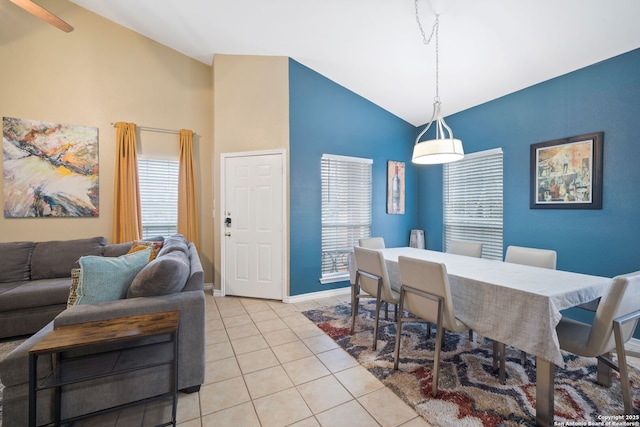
<point>346,211</point>
<point>158,181</point>
<point>473,201</point>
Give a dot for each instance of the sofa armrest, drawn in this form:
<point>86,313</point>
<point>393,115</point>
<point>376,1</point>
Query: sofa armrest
<point>191,335</point>
<point>14,368</point>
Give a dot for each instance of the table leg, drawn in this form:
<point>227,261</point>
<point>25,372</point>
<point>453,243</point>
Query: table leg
<point>604,372</point>
<point>544,392</point>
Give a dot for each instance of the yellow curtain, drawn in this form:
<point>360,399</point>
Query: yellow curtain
<point>127,218</point>
<point>187,198</point>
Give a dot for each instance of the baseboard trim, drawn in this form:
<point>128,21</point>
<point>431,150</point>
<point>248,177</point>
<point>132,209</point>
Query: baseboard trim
<point>316,295</point>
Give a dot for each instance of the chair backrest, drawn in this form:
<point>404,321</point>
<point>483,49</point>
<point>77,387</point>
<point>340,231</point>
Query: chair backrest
<point>428,277</point>
<point>372,243</point>
<point>545,258</point>
<point>372,261</point>
<point>623,298</point>
<point>465,247</point>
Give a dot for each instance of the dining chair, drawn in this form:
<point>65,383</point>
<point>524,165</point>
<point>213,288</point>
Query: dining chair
<point>425,293</point>
<point>373,279</point>
<point>372,243</point>
<point>544,258</point>
<point>615,320</point>
<point>465,247</point>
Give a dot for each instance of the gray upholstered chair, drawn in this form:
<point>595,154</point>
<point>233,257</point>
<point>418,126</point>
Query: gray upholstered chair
<point>372,243</point>
<point>615,320</point>
<point>543,258</point>
<point>373,279</point>
<point>425,293</point>
<point>465,247</point>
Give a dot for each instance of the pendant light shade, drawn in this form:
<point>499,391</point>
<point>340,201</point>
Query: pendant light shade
<point>444,148</point>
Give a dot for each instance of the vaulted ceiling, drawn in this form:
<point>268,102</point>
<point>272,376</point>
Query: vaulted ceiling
<point>487,48</point>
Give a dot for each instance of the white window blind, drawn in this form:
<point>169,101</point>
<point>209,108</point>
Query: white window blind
<point>346,211</point>
<point>158,181</point>
<point>473,201</point>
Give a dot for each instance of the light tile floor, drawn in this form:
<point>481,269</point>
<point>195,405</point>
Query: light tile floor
<point>268,365</point>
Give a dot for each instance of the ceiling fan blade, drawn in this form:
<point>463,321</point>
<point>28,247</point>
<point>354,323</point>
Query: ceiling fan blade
<point>44,14</point>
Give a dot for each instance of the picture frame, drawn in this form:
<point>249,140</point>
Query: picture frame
<point>395,187</point>
<point>567,173</point>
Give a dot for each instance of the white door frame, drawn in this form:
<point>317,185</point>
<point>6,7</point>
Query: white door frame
<point>285,225</point>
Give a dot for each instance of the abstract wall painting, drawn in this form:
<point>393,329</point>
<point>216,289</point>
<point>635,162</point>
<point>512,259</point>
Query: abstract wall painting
<point>50,169</point>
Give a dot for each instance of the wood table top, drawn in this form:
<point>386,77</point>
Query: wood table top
<point>106,331</point>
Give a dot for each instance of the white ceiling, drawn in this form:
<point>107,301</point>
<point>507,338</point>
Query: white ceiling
<point>488,48</point>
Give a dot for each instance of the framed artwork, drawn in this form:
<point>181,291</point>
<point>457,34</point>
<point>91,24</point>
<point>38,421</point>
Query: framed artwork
<point>567,173</point>
<point>50,169</point>
<point>395,187</point>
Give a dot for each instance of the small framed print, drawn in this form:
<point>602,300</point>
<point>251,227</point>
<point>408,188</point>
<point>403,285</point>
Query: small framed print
<point>567,173</point>
<point>395,187</point>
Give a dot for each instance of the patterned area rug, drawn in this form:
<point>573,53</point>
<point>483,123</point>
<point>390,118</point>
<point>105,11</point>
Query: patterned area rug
<point>5,348</point>
<point>469,392</point>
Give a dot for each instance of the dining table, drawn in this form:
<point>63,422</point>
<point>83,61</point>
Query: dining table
<point>515,304</point>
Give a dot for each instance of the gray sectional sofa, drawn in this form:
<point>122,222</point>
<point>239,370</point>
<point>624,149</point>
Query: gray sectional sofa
<point>106,392</point>
<point>35,280</point>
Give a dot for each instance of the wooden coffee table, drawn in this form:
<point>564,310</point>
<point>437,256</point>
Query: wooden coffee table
<point>102,332</point>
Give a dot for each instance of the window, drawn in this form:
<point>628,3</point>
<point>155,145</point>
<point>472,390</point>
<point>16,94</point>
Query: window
<point>158,196</point>
<point>473,201</point>
<point>346,212</point>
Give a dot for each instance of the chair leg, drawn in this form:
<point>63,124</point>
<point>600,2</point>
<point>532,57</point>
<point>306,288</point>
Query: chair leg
<point>436,359</point>
<point>496,354</point>
<point>354,306</point>
<point>470,335</point>
<point>622,367</point>
<point>386,310</point>
<point>375,325</point>
<point>396,353</point>
<point>523,357</point>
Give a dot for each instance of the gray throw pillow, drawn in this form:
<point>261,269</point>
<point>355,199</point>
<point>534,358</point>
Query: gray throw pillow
<point>163,276</point>
<point>177,242</point>
<point>14,261</point>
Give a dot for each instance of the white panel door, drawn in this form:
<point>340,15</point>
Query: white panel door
<point>253,226</point>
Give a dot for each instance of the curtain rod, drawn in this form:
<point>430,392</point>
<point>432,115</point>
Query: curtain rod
<point>150,129</point>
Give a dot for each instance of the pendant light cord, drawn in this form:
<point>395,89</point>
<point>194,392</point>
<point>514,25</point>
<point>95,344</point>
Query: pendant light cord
<point>434,30</point>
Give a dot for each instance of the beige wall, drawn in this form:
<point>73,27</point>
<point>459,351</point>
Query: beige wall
<point>98,74</point>
<point>251,113</point>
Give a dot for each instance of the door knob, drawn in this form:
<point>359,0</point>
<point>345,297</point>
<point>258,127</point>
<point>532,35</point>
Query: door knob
<point>228,234</point>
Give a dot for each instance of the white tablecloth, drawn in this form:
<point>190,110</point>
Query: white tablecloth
<point>515,304</point>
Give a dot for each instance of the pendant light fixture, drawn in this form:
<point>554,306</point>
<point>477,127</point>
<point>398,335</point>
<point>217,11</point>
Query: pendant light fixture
<point>444,148</point>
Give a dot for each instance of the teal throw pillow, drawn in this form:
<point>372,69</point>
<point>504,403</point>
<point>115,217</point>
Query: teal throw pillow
<point>107,278</point>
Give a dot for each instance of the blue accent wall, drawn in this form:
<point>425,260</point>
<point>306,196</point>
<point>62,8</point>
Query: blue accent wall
<point>328,118</point>
<point>602,97</point>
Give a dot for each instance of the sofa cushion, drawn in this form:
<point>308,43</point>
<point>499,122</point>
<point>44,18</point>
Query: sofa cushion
<point>33,294</point>
<point>116,249</point>
<point>107,278</point>
<point>177,242</point>
<point>56,258</point>
<point>15,257</point>
<point>165,275</point>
